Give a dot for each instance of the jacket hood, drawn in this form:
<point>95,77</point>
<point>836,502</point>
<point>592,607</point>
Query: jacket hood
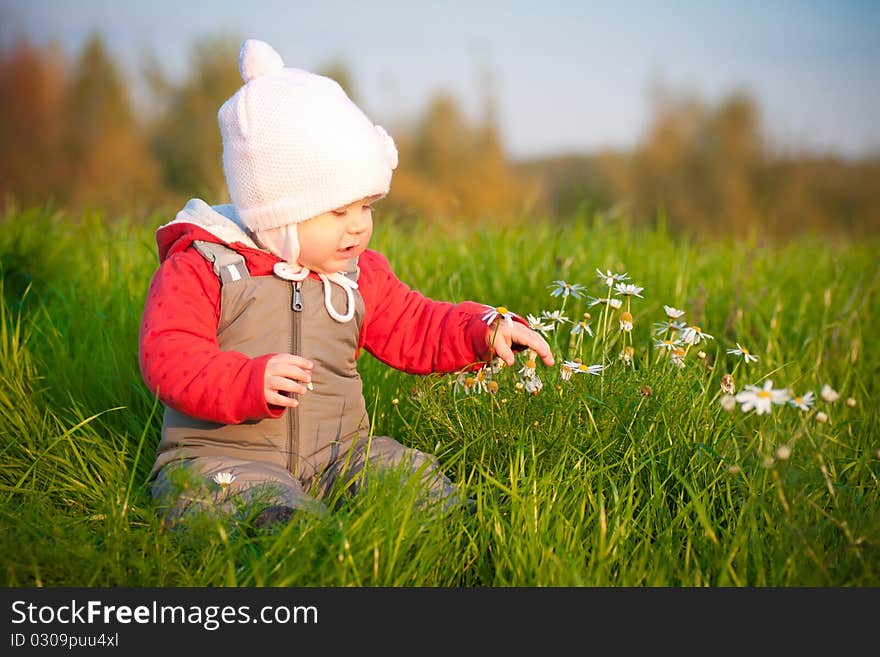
<point>199,221</point>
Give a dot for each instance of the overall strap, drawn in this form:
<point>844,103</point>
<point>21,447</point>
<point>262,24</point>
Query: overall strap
<point>228,263</point>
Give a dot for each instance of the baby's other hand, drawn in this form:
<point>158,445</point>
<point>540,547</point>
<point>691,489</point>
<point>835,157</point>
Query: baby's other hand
<point>502,338</point>
<point>286,375</point>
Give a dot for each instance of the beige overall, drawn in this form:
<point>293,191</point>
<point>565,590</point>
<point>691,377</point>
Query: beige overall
<point>297,459</point>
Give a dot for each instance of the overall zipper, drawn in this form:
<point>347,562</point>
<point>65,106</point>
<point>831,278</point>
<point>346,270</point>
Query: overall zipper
<point>296,305</point>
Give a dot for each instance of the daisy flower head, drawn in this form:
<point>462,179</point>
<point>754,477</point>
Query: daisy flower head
<point>670,325</point>
<point>536,324</point>
<point>608,278</point>
<point>528,368</point>
<point>583,326</point>
<point>478,382</point>
<point>803,402</point>
<point>494,312</point>
<point>473,382</point>
<point>672,313</point>
<point>828,394</point>
<point>565,371</point>
<point>580,368</point>
<point>556,317</point>
<point>626,321</point>
<point>533,384</point>
<point>629,290</point>
<point>223,479</point>
<point>694,335</point>
<point>745,353</point>
<point>761,399</point>
<point>728,402</point>
<point>783,452</point>
<point>626,355</point>
<point>563,289</point>
<point>464,381</point>
<point>677,357</point>
<point>668,344</point>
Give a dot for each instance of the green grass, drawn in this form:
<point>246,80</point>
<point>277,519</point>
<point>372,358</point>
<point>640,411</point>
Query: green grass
<point>589,483</point>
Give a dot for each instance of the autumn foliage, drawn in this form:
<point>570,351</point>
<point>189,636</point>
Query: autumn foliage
<point>72,135</point>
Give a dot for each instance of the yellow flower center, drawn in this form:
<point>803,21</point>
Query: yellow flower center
<point>745,351</point>
<point>764,394</point>
<point>501,310</point>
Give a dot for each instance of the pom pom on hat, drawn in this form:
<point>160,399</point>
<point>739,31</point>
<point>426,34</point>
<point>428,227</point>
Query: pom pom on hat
<point>295,146</point>
<point>258,58</point>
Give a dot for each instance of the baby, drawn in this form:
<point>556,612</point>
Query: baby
<point>258,311</point>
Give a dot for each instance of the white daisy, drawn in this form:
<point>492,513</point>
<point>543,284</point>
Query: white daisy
<point>629,290</point>
<point>580,368</point>
<point>672,313</point>
<point>745,353</point>
<point>728,402</point>
<point>582,326</point>
<point>223,479</point>
<point>555,317</point>
<point>563,289</point>
<point>463,381</point>
<point>761,399</point>
<point>610,278</point>
<point>533,384</point>
<point>626,321</point>
<point>694,335</point>
<point>482,377</point>
<point>537,325</point>
<point>494,312</point>
<point>677,357</point>
<point>528,368</point>
<point>803,402</point>
<point>668,344</point>
<point>565,371</point>
<point>671,325</point>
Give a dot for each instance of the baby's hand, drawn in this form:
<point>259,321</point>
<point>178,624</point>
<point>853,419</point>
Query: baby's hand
<point>286,374</point>
<point>501,339</point>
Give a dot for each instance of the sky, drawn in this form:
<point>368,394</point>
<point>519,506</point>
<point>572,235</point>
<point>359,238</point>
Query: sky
<point>566,77</point>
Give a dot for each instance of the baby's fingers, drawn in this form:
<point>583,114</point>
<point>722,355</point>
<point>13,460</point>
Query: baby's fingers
<point>503,351</point>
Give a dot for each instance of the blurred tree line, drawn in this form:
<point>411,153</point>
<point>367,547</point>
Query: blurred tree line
<point>71,134</point>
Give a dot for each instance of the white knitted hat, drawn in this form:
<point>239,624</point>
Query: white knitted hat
<point>295,145</point>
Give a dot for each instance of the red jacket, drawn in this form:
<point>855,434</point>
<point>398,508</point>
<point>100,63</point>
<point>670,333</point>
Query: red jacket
<point>182,363</point>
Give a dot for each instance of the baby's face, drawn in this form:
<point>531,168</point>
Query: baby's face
<point>328,241</point>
